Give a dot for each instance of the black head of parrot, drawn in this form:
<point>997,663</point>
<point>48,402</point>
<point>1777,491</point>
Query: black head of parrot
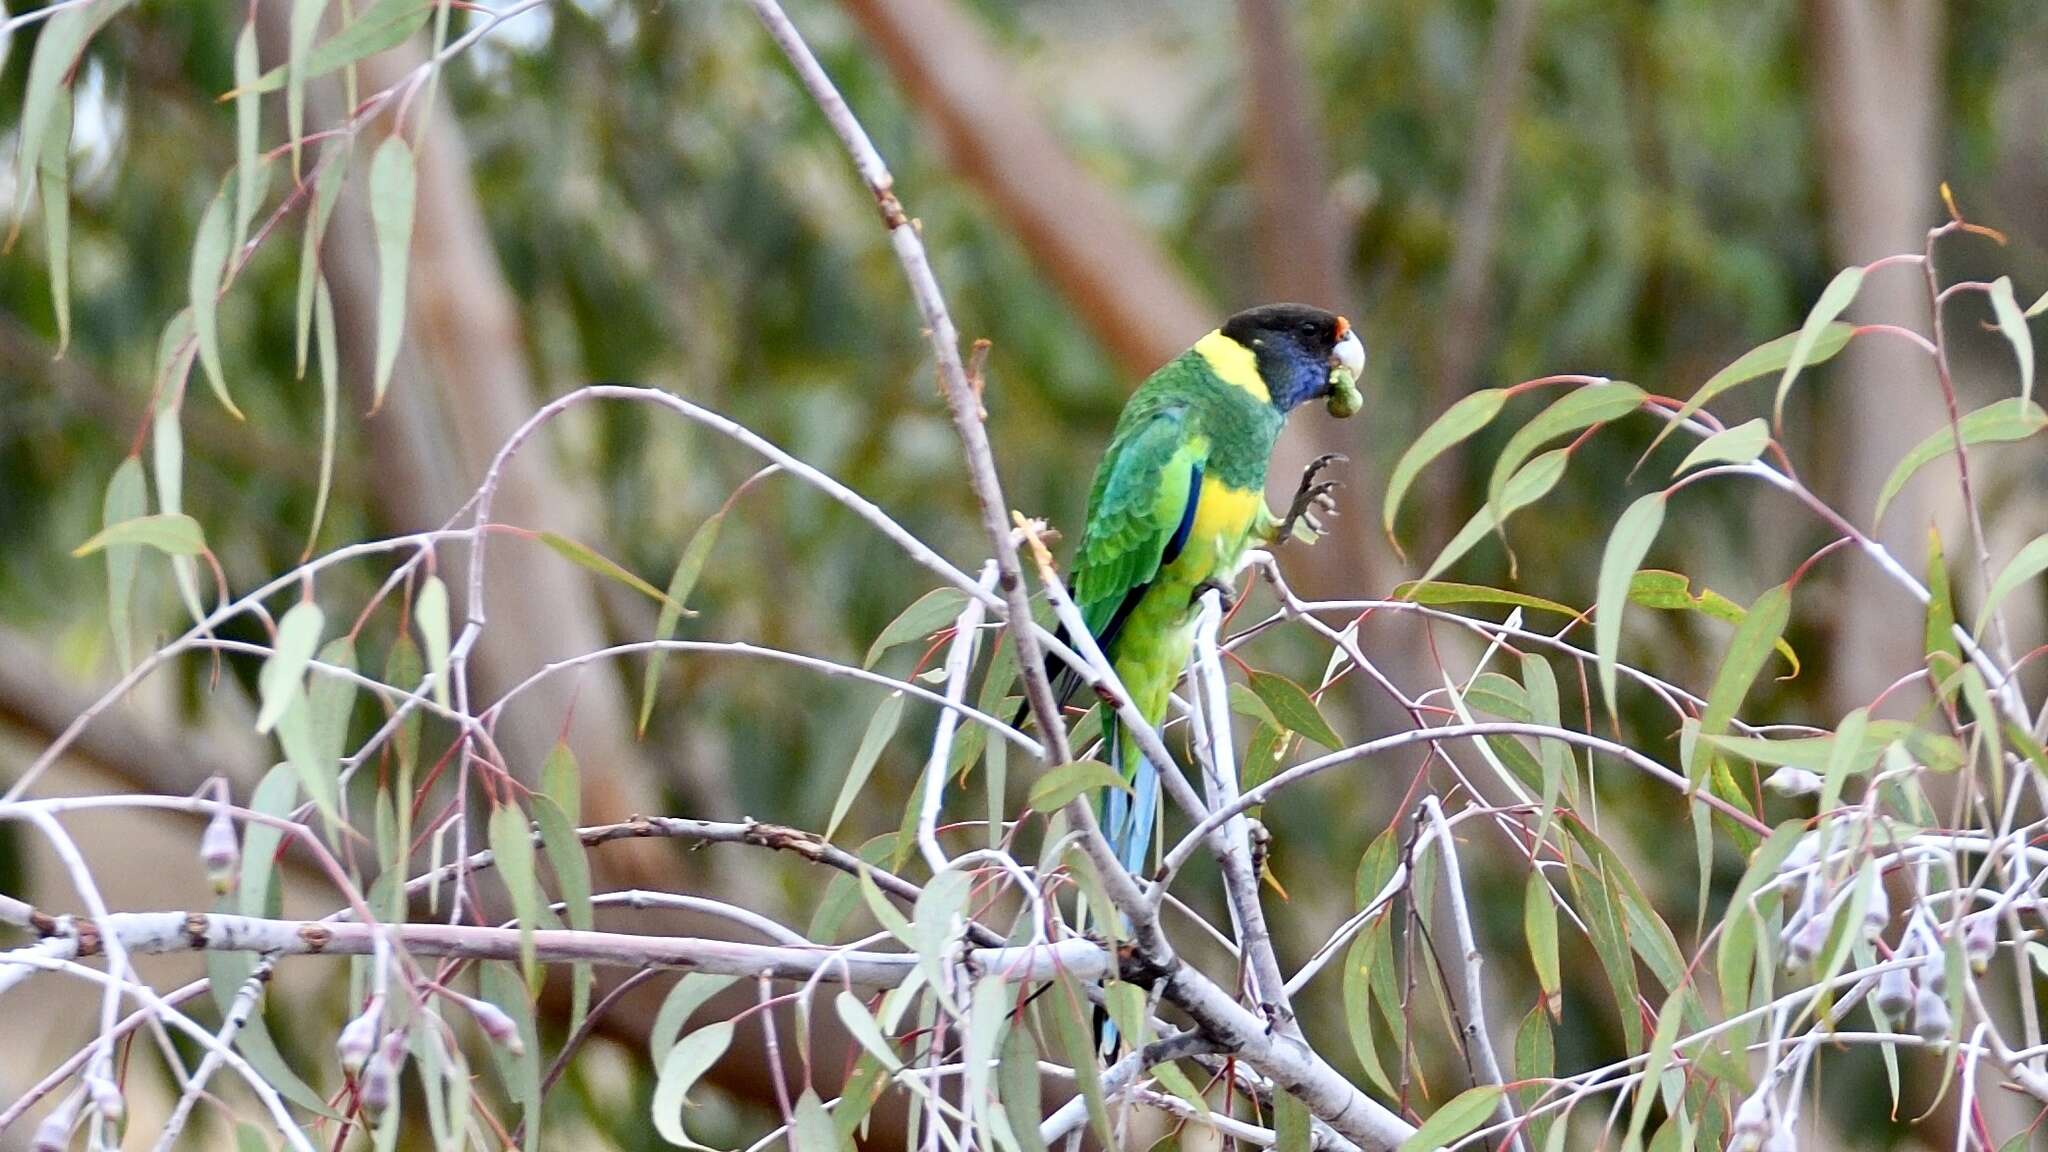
<point>1301,351</point>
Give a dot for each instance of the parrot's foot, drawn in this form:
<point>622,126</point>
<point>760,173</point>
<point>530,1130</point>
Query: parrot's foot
<point>1223,591</point>
<point>1313,499</point>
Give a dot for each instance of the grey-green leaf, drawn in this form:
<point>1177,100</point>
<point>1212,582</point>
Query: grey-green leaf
<point>282,680</point>
<point>126,499</point>
<point>1458,423</point>
<point>430,615</point>
<point>1833,300</point>
<point>1456,1119</point>
<point>2001,423</point>
<point>172,533</point>
<point>1762,360</point>
<point>683,1066</point>
<point>881,727</point>
<point>1581,408</point>
<point>680,584</point>
<point>210,250</point>
<point>393,189</point>
<point>305,24</point>
<point>1057,788</point>
<point>1529,485</point>
<point>1630,542</point>
<point>929,613</point>
<point>55,165</point>
<point>1738,445</point>
<point>2030,562</point>
<point>1294,709</point>
<point>248,129</point>
<point>688,995</point>
<point>2013,324</point>
<point>512,850</point>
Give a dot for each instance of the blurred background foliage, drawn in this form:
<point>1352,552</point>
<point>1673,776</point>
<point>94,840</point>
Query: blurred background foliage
<point>666,208</point>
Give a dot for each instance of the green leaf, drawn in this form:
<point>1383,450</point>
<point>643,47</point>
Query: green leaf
<point>1291,1128</point>
<point>860,1024</point>
<point>1659,1059</point>
<point>126,499</point>
<point>1439,592</point>
<point>1539,925</point>
<point>1758,362</point>
<point>1940,638</point>
<point>2031,561</point>
<point>1057,788</point>
<point>275,795</point>
<point>1833,300</point>
<point>1738,445</point>
<point>226,972</point>
<point>572,876</point>
<point>512,850</point>
<point>1582,408</point>
<point>330,404</point>
<point>584,556</point>
<point>392,195</point>
<point>680,584</point>
<point>171,533</point>
<point>881,727</point>
<point>684,998</point>
<point>284,673</point>
<point>2013,324</point>
<point>55,181</point>
<point>1626,547</point>
<point>1754,639</point>
<point>1017,1084</point>
<point>857,1097</point>
<point>500,985</point>
<point>1672,591</point>
<point>384,24</point>
<point>1067,1007</point>
<point>932,611</point>
<point>327,184</point>
<point>305,25</point>
<point>1535,1060</point>
<point>2000,423</point>
<point>1456,1119</point>
<point>248,129</point>
<point>1736,948</point>
<point>430,616</point>
<point>210,250</point>
<point>1295,709</point>
<point>249,1138</point>
<point>813,1130</point>
<point>1530,484</point>
<point>1458,423</point>
<point>59,47</point>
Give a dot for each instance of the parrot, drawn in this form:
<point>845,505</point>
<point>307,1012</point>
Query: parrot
<point>1178,499</point>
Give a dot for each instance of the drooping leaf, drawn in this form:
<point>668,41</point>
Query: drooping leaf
<point>680,584</point>
<point>210,250</point>
<point>226,972</point>
<point>512,850</point>
<point>330,403</point>
<point>1626,546</point>
<point>59,46</point>
<point>283,677</point>
<point>572,877</point>
<point>1738,445</point>
<point>881,727</point>
<point>1672,591</point>
<point>1068,1009</point>
<point>55,181</point>
<point>2012,323</point>
<point>2000,423</point>
<point>334,157</point>
<point>305,25</point>
<point>126,500</point>
<point>248,129</point>
<point>275,795</point>
<point>1668,1020</point>
<point>1017,1084</point>
<point>2028,563</point>
<point>1532,483</point>
<point>584,556</point>
<point>813,1130</point>
<point>1833,300</point>
<point>430,615</point>
<point>393,192</point>
<point>1440,592</point>
<point>520,1070</point>
<point>1760,361</point>
<point>1291,1127</point>
<point>860,1024</point>
<point>1576,410</point>
<point>1940,638</point>
<point>684,998</point>
<point>1458,423</point>
<point>1539,925</point>
<point>170,533</point>
<point>927,614</point>
<point>1057,788</point>
<point>1294,708</point>
<point>1463,1114</point>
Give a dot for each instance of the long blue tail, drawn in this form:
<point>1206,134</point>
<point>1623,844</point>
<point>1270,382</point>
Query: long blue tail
<point>1128,818</point>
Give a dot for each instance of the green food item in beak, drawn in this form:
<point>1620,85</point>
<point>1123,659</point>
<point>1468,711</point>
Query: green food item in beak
<point>1345,399</point>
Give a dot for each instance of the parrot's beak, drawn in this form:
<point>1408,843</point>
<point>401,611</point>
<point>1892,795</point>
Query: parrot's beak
<point>1347,363</point>
<point>1350,351</point>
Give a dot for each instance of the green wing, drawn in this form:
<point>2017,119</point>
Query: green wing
<point>1138,514</point>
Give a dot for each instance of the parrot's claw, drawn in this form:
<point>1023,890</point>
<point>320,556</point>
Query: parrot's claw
<point>1313,500</point>
<point>1223,591</point>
